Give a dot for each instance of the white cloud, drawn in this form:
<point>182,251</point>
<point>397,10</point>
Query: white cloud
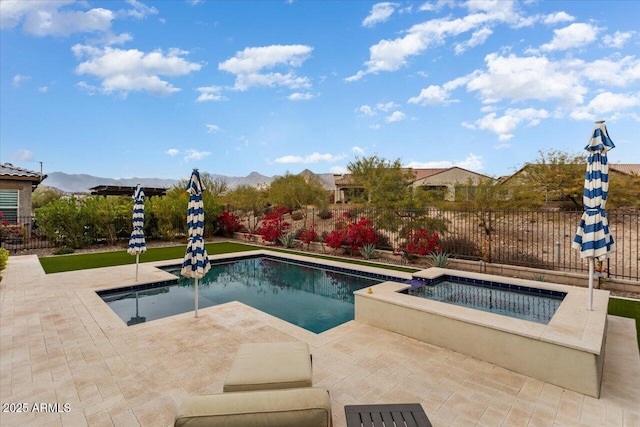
<point>18,79</point>
<point>527,78</point>
<point>172,152</point>
<point>357,150</point>
<point>380,12</point>
<point>387,106</point>
<point>311,158</point>
<point>65,17</point>
<point>558,17</point>
<point>396,116</point>
<point>212,128</point>
<point>504,125</point>
<point>249,66</point>
<point>139,10</point>
<point>607,104</point>
<point>23,156</point>
<point>43,89</point>
<point>300,96</point>
<point>210,93</point>
<point>391,55</point>
<point>618,39</point>
<point>432,95</point>
<point>366,110</point>
<point>45,18</point>
<point>620,72</point>
<point>192,154</point>
<point>576,35</point>
<point>132,70</point>
<point>472,162</point>
<point>477,38</point>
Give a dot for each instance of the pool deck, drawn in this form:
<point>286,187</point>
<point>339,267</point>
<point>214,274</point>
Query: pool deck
<point>59,343</point>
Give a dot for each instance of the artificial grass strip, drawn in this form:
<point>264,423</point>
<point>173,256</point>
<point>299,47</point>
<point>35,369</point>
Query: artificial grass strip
<point>61,263</point>
<point>626,308</point>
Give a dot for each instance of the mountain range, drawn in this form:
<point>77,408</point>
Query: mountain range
<point>81,183</point>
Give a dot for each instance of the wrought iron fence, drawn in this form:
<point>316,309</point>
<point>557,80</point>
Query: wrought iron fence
<point>539,239</point>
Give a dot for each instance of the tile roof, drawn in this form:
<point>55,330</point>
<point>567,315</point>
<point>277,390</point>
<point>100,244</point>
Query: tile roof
<point>629,169</point>
<point>8,171</point>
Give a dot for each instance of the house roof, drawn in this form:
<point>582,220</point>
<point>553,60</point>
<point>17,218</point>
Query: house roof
<point>626,168</point>
<point>8,171</point>
<point>120,190</point>
<point>347,179</point>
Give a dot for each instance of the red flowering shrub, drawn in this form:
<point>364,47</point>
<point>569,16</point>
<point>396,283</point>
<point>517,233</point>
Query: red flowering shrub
<point>335,239</point>
<point>228,223</point>
<point>422,242</point>
<point>353,234</point>
<point>361,233</point>
<point>273,225</point>
<point>308,236</point>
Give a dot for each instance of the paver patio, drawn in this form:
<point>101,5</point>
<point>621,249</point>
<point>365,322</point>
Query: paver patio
<point>59,343</point>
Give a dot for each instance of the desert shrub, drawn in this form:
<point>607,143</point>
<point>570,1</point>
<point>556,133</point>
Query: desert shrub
<point>4,257</point>
<point>422,242</point>
<point>286,240</point>
<point>361,233</point>
<point>297,215</point>
<point>307,236</point>
<point>325,214</point>
<point>228,223</point>
<point>368,251</point>
<point>335,239</point>
<point>383,241</point>
<point>273,225</point>
<point>460,247</point>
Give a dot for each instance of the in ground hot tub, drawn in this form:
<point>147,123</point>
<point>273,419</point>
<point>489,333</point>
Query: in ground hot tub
<point>567,349</point>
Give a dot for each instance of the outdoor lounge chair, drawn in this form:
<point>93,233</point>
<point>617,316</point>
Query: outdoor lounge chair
<point>268,385</point>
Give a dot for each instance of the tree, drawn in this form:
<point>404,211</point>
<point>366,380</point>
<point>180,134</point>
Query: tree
<point>44,195</point>
<point>297,191</point>
<point>556,175</point>
<point>248,202</point>
<point>385,182</point>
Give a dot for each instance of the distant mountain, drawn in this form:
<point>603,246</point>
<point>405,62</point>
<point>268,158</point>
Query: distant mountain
<point>81,183</point>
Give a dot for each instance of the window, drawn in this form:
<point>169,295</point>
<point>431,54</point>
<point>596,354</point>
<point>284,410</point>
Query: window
<point>9,206</point>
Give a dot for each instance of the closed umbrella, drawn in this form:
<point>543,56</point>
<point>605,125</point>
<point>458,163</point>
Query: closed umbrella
<point>196,261</point>
<point>593,238</point>
<point>137,243</point>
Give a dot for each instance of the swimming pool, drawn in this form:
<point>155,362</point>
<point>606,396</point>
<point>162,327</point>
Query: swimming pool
<point>520,302</point>
<point>307,294</point>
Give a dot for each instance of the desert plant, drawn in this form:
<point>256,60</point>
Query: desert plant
<point>309,235</point>
<point>63,250</point>
<point>4,257</point>
<point>228,223</point>
<point>325,214</point>
<point>297,215</point>
<point>460,247</point>
<point>286,240</point>
<point>422,242</point>
<point>273,225</point>
<point>368,250</point>
<point>439,259</point>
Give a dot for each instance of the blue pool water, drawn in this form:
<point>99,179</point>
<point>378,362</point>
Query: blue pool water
<point>314,298</point>
<point>520,302</point>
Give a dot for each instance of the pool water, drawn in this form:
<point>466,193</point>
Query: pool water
<point>525,303</point>
<point>313,298</point>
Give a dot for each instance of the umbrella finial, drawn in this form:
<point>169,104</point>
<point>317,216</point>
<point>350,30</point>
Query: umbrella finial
<point>599,122</point>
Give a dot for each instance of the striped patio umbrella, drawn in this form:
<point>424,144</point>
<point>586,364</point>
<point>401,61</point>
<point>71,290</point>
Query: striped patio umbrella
<point>137,243</point>
<point>196,261</point>
<point>593,238</point>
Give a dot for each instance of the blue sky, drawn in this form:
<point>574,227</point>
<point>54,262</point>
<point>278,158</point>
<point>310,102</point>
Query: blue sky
<point>124,89</point>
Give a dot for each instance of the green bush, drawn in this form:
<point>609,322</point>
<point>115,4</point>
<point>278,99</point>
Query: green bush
<point>4,257</point>
<point>63,250</point>
<point>297,215</point>
<point>64,223</point>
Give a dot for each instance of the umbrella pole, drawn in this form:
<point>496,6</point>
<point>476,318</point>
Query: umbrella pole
<point>137,261</point>
<point>196,297</point>
<point>591,268</point>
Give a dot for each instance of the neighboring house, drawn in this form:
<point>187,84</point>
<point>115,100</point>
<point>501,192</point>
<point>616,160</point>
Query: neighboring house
<point>447,182</point>
<point>16,186</point>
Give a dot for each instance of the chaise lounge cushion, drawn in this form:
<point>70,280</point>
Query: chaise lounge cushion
<point>308,407</point>
<point>270,366</point>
